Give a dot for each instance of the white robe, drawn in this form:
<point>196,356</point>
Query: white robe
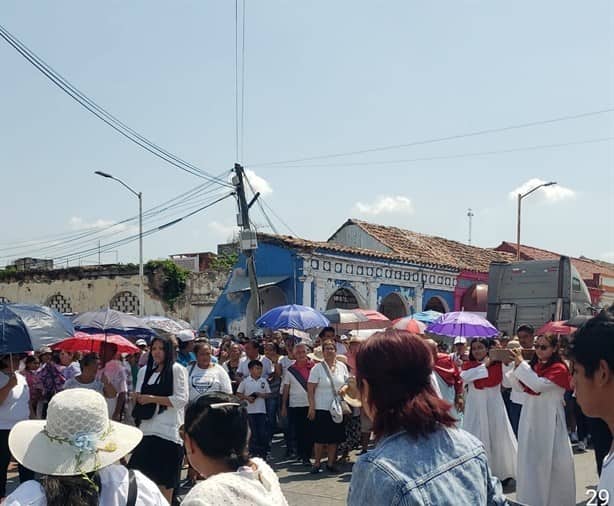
<point>448,393</point>
<point>546,474</point>
<point>485,417</point>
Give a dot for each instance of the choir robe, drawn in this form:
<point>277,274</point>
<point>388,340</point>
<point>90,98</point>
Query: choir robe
<point>485,417</point>
<point>450,383</point>
<point>546,474</point>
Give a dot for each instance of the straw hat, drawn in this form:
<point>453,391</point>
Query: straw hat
<point>317,356</point>
<point>77,437</point>
<point>350,393</point>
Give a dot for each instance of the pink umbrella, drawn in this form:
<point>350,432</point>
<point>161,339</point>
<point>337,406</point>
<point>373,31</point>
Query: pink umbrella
<point>376,320</point>
<point>409,324</point>
<point>555,328</point>
<point>84,342</point>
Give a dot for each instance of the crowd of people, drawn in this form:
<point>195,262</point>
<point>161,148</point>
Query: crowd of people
<point>448,428</point>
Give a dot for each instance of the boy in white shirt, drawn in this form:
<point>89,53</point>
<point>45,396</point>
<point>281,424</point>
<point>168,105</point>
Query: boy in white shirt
<point>255,389</point>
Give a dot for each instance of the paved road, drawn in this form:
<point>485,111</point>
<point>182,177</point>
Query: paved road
<point>325,489</point>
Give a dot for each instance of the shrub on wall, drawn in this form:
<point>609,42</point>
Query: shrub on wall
<point>167,280</point>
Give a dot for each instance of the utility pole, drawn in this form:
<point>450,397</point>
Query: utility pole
<point>248,243</point>
<point>470,217</point>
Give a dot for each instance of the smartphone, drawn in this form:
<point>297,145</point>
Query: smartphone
<point>500,355</point>
<point>254,396</point>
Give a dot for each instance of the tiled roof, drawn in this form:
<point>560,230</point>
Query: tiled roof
<point>586,267</point>
<point>432,249</point>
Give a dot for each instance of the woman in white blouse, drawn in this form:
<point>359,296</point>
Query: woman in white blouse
<point>161,395</point>
<point>326,433</point>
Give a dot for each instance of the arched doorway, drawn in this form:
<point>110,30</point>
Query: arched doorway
<point>436,304</point>
<point>270,297</point>
<point>342,299</point>
<point>475,299</point>
<point>393,306</point>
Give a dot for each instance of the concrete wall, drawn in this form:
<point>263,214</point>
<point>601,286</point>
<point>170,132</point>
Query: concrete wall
<point>84,289</point>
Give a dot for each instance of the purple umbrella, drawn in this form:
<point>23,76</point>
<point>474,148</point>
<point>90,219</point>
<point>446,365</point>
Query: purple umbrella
<point>462,324</point>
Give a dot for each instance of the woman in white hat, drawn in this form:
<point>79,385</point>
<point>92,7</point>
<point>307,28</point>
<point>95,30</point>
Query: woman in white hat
<point>76,450</point>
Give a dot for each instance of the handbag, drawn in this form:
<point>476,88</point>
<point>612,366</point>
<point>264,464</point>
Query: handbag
<point>338,407</point>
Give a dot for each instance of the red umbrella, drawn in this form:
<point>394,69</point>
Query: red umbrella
<point>409,324</point>
<point>92,342</point>
<point>376,320</point>
<point>555,328</point>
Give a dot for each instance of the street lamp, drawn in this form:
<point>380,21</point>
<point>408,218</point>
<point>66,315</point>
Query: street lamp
<point>139,195</point>
<point>520,197</point>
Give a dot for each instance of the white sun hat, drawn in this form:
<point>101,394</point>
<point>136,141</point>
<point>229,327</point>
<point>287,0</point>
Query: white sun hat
<point>77,437</point>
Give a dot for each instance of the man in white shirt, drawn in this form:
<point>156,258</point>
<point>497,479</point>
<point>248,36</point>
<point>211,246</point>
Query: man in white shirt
<point>116,374</point>
<point>252,352</point>
<point>592,366</point>
<point>255,389</point>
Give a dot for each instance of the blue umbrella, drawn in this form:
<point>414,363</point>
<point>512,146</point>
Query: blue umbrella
<point>293,316</point>
<point>109,321</point>
<point>428,316</point>
<point>26,327</point>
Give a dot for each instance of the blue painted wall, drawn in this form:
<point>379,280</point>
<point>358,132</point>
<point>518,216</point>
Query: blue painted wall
<point>447,296</point>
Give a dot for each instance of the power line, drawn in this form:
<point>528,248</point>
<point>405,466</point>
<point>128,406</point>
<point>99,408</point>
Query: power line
<point>457,155</point>
<point>102,113</point>
<point>474,133</point>
<point>266,216</point>
<point>237,80</point>
<point>243,83</point>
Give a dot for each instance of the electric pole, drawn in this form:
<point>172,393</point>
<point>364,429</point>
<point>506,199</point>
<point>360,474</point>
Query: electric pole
<point>248,243</point>
<point>470,217</point>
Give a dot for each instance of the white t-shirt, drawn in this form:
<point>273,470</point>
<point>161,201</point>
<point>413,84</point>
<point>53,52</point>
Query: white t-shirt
<point>258,487</point>
<point>249,386</point>
<point>95,385</point>
<point>297,395</point>
<point>166,424</point>
<point>606,482</point>
<point>116,374</point>
<point>285,362</point>
<point>71,370</point>
<point>212,379</point>
<point>16,406</point>
<point>267,366</point>
<point>113,490</point>
<point>323,393</point>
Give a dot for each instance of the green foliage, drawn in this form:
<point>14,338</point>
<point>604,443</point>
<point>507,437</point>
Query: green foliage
<point>8,272</point>
<point>167,279</point>
<point>224,262</point>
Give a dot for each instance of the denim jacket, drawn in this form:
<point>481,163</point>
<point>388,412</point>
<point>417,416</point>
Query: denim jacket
<point>448,467</point>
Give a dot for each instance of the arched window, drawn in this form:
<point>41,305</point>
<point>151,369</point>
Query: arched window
<point>60,303</point>
<point>126,302</point>
<point>342,299</point>
<point>436,304</point>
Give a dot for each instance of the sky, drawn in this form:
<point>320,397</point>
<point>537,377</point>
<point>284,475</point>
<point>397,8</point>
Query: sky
<point>320,78</point>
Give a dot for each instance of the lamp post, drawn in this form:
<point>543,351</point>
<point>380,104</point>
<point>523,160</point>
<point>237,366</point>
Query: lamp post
<point>139,195</point>
<point>520,197</point>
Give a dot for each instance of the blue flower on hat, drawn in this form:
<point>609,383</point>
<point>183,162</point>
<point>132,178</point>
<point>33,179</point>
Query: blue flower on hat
<point>85,442</point>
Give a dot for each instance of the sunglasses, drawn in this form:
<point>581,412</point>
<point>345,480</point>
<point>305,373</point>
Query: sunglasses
<point>542,347</point>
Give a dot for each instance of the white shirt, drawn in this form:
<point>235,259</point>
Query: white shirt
<point>297,395</point>
<point>517,395</point>
<point>341,349</point>
<point>71,370</point>
<point>95,385</point>
<point>16,406</point>
<point>166,424</point>
<point>212,379</point>
<point>324,394</point>
<point>113,490</point>
<point>116,374</point>
<point>285,362</point>
<point>267,366</point>
<point>249,386</point>
<point>606,482</point>
<point>258,487</point>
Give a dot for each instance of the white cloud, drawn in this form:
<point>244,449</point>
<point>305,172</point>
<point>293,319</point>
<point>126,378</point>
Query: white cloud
<point>554,193</point>
<point>607,256</point>
<point>227,232</point>
<point>78,223</point>
<point>386,204</point>
<point>259,183</point>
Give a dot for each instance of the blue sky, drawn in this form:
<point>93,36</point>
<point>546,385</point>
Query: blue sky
<point>320,78</point>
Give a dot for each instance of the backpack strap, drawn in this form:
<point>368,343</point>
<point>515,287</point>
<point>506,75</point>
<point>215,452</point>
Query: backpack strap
<point>133,489</point>
<point>192,369</point>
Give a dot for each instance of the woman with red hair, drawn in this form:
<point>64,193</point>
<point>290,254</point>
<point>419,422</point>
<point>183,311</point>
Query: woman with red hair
<point>420,457</point>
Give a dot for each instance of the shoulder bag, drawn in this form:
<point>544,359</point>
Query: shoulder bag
<point>338,408</point>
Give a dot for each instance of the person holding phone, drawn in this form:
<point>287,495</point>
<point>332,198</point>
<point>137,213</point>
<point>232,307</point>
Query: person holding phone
<point>485,416</point>
<point>545,458</point>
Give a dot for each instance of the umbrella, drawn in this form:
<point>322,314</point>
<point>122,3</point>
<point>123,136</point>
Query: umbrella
<point>409,324</point>
<point>375,320</point>
<point>559,327</point>
<point>109,321</point>
<point>462,324</point>
<point>92,342</point>
<point>428,316</point>
<point>345,316</point>
<point>293,316</point>
<point>26,327</point>
<point>166,324</point>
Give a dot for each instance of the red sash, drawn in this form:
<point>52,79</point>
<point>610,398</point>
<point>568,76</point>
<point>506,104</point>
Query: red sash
<point>557,373</point>
<point>495,374</point>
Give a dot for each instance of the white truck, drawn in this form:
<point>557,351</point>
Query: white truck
<point>535,292</point>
